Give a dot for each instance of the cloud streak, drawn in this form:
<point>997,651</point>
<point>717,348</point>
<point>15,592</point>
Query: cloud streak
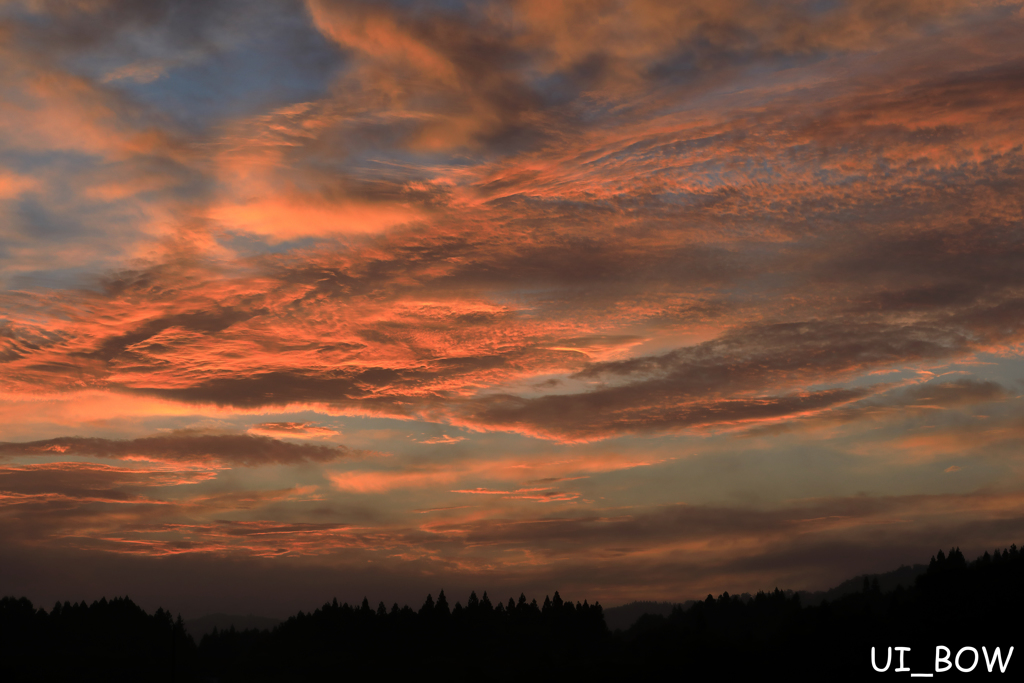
<point>243,450</point>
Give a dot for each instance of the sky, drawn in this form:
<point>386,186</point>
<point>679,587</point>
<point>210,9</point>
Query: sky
<point>632,300</point>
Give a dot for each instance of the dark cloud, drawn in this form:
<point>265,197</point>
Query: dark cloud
<point>812,544</point>
<point>209,322</point>
<point>459,71</point>
<point>900,404</point>
<point>356,390</point>
<point>17,342</point>
<point>956,392</point>
<point>737,378</point>
<point>934,271</point>
<point>640,408</point>
<point>683,523</point>
<point>87,24</point>
<point>761,354</point>
<point>60,483</point>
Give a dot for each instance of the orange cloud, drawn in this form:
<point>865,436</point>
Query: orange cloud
<point>289,218</point>
<point>379,482</point>
<point>443,439</point>
<point>541,470</point>
<point>13,184</point>
<point>292,430</point>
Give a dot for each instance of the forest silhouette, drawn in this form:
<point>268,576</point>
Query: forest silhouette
<point>954,603</point>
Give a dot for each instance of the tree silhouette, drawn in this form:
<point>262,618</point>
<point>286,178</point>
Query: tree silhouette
<point>441,608</point>
<point>724,638</point>
<point>427,610</point>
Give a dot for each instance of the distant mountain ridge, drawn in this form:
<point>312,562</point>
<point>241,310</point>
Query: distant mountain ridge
<point>904,576</point>
<point>622,617</point>
<point>197,628</point>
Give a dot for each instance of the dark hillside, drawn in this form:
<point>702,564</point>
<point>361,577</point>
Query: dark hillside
<point>904,576</point>
<point>197,628</point>
<point>953,603</point>
<point>622,617</point>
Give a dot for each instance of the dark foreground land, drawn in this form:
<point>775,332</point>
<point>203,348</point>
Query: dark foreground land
<point>955,603</point>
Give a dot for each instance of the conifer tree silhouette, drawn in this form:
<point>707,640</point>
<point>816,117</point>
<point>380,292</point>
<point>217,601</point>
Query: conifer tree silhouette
<point>725,638</point>
<point>427,610</point>
<point>441,609</point>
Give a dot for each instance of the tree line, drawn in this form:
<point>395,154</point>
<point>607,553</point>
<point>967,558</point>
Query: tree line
<point>955,603</point>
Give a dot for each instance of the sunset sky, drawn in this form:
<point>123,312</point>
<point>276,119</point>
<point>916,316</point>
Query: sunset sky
<point>629,300</point>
